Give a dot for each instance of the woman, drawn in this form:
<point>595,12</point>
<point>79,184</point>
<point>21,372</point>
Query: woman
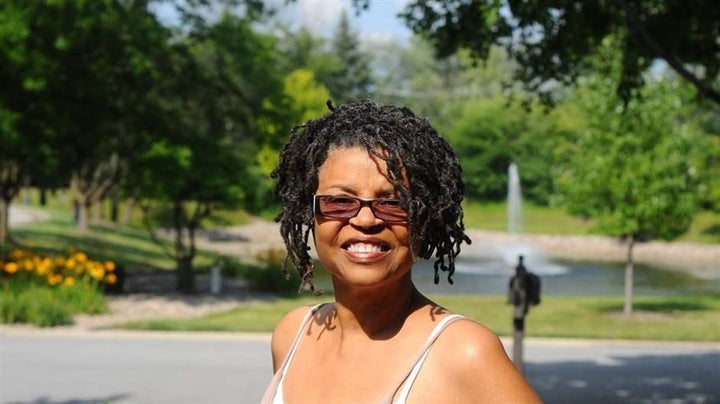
<point>378,187</point>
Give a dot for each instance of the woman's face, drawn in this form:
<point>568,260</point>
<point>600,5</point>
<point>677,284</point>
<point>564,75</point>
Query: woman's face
<point>362,250</point>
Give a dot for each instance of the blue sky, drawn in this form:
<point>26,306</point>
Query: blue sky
<point>380,21</point>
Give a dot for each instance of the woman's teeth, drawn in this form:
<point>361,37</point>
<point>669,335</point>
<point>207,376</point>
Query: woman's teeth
<point>364,248</point>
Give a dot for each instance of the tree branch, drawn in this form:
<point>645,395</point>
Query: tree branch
<point>636,25</point>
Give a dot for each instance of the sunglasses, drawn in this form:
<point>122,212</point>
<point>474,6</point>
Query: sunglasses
<point>345,207</point>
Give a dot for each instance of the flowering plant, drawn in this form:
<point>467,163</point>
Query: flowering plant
<point>58,270</point>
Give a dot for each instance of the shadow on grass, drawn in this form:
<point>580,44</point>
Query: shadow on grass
<point>671,305</point>
<point>125,247</point>
<point>713,230</point>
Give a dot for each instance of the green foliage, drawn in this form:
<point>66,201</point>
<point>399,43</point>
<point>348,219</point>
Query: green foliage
<point>352,80</point>
<point>636,168</point>
<point>44,306</point>
<point>265,276</point>
<point>551,42</point>
<point>490,134</point>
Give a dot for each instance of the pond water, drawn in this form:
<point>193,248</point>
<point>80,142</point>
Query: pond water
<point>490,276</point>
<point>566,279</point>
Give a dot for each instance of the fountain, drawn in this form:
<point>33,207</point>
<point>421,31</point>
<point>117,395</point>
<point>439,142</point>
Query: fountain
<point>499,255</point>
<point>514,201</point>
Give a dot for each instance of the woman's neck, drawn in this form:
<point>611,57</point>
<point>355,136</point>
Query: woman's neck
<point>378,312</point>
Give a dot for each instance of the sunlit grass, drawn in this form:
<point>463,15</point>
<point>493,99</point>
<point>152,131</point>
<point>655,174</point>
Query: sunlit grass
<point>129,247</point>
<point>680,318</point>
<point>555,221</point>
<point>535,219</point>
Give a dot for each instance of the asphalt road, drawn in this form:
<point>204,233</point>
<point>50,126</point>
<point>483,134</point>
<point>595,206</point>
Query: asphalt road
<point>56,367</point>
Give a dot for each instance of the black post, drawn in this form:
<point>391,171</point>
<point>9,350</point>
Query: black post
<point>523,291</point>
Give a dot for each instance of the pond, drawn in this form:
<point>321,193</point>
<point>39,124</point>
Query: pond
<point>477,275</point>
<point>565,279</point>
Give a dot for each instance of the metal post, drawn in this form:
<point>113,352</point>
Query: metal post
<point>518,334</point>
<point>215,280</point>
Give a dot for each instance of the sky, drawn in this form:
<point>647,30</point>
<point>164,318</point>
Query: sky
<point>380,21</point>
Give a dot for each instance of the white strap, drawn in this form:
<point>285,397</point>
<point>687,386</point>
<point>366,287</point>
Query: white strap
<point>402,397</point>
<point>275,386</point>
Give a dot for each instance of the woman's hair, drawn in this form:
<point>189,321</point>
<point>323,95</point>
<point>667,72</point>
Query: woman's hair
<point>412,149</point>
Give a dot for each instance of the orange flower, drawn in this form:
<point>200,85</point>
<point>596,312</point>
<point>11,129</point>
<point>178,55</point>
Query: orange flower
<point>81,257</point>
<point>54,279</point>
<point>10,267</point>
<point>16,254</point>
<point>109,266</point>
<point>111,279</point>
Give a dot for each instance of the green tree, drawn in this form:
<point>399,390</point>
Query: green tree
<point>489,134</point>
<point>352,77</point>
<point>22,144</point>
<point>552,41</point>
<point>87,72</point>
<point>635,168</point>
<point>221,89</point>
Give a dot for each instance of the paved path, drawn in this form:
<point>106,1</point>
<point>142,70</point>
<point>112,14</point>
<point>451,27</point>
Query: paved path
<point>19,214</point>
<point>120,367</point>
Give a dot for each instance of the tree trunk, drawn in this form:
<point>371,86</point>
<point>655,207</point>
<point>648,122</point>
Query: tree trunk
<point>97,212</point>
<point>185,275</point>
<point>128,213</point>
<point>114,207</point>
<point>82,217</point>
<point>184,252</point>
<point>628,306</point>
<point>4,220</point>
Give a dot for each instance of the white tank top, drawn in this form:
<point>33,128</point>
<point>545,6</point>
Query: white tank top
<point>274,392</point>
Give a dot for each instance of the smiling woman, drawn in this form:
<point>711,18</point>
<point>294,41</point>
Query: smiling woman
<point>377,187</point>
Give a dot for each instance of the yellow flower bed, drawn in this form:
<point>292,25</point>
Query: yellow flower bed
<point>58,270</point>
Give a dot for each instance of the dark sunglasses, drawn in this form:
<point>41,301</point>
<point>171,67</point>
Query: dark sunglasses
<point>345,207</point>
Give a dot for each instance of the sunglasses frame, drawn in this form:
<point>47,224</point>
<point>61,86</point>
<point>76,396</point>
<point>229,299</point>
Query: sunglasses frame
<point>363,202</point>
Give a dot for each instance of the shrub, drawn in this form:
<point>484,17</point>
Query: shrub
<point>59,270</point>
<point>49,291</point>
<point>265,276</point>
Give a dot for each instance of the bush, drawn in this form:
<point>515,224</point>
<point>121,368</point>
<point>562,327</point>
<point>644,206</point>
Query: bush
<point>49,291</point>
<point>25,265</point>
<point>266,276</point>
<point>48,307</point>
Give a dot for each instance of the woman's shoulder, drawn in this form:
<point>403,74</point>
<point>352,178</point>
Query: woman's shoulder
<point>285,332</point>
<point>473,358</point>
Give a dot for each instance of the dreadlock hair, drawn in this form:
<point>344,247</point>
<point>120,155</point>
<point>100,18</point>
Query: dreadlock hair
<point>411,148</point>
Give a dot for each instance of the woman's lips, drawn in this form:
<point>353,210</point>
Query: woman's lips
<point>365,246</point>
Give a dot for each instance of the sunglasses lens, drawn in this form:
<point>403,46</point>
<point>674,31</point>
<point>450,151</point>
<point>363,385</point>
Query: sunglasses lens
<point>338,206</point>
<point>344,207</point>
<point>389,210</point>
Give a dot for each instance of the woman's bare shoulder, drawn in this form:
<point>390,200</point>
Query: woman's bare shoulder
<point>285,332</point>
<point>476,362</point>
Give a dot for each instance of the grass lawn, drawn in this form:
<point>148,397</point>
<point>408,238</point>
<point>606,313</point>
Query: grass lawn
<point>685,318</point>
<point>660,318</point>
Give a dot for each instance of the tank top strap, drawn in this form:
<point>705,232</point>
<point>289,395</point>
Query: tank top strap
<point>272,390</point>
<point>407,382</point>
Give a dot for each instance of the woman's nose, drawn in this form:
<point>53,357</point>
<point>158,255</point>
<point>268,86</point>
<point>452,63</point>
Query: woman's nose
<point>365,218</point>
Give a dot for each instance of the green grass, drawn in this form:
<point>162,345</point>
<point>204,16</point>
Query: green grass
<point>554,221</point>
<point>535,219</point>
<point>684,318</point>
<point>127,246</point>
